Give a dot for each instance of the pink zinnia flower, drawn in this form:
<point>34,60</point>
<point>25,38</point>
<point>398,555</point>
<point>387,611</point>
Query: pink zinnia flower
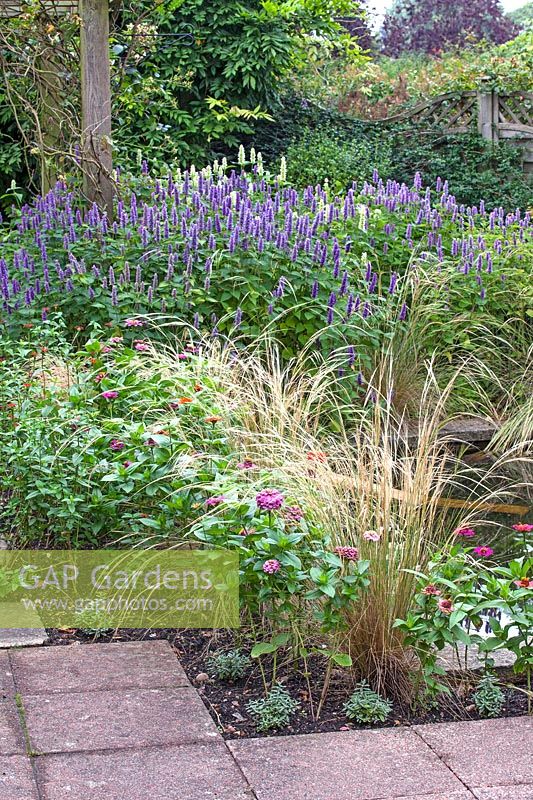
<point>133,323</point>
<point>293,514</point>
<point>110,394</point>
<point>483,551</point>
<point>432,590</point>
<point>116,444</point>
<point>269,500</point>
<point>466,532</point>
<point>372,536</point>
<point>246,464</point>
<point>523,527</point>
<point>271,566</point>
<point>349,553</point>
<point>115,340</point>
<point>217,500</point>
<point>141,346</point>
<point>524,583</point>
<point>446,606</point>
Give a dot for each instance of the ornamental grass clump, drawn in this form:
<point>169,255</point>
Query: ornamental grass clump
<point>370,485</point>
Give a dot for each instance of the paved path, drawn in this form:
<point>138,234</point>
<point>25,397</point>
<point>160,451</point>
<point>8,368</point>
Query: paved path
<point>122,722</point>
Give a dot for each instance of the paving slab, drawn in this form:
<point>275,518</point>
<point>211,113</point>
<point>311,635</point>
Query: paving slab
<point>7,687</point>
<point>22,637</point>
<point>521,792</point>
<point>16,779</point>
<point>108,720</point>
<point>359,765</point>
<point>94,667</point>
<point>447,658</point>
<point>194,772</point>
<point>11,736</point>
<point>485,753</point>
<point>31,635</point>
<point>462,794</point>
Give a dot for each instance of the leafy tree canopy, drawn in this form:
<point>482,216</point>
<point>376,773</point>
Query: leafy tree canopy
<point>523,16</point>
<point>431,26</point>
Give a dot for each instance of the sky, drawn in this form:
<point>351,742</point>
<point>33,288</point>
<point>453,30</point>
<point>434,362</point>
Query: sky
<point>381,6</point>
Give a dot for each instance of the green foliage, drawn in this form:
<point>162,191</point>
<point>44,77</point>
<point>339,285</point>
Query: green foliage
<point>451,607</point>
<point>188,98</point>
<point>321,143</point>
<point>382,87</point>
<point>473,167</point>
<point>274,711</point>
<point>11,153</point>
<point>523,16</point>
<point>322,155</point>
<point>489,698</point>
<point>93,623</point>
<point>367,707</point>
<point>229,666</point>
<point>298,114</point>
<point>66,479</point>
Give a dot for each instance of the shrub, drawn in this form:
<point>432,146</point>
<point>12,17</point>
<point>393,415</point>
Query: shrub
<point>473,167</point>
<point>367,707</point>
<point>322,155</point>
<point>274,711</point>
<point>230,666</point>
<point>489,698</point>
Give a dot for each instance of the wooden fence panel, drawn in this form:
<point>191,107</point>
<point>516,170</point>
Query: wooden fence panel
<point>497,117</point>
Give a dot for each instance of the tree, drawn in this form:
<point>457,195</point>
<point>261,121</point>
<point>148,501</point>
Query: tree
<point>431,26</point>
<point>523,16</point>
<point>182,102</point>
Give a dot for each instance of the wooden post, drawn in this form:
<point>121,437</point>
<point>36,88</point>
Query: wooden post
<point>96,103</point>
<point>485,106</point>
<point>50,91</point>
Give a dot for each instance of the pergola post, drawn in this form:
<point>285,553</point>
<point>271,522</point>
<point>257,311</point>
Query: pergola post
<point>96,103</point>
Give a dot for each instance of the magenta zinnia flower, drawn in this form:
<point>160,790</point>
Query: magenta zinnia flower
<point>523,527</point>
<point>432,590</point>
<point>110,394</point>
<point>141,346</point>
<point>216,500</point>
<point>271,566</point>
<point>466,532</point>
<point>446,606</point>
<point>246,464</point>
<point>349,553</point>
<point>293,514</point>
<point>483,551</point>
<point>524,583</point>
<point>269,499</point>
<point>133,323</point>
<point>116,444</point>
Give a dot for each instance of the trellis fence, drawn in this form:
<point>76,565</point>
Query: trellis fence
<point>497,117</point>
